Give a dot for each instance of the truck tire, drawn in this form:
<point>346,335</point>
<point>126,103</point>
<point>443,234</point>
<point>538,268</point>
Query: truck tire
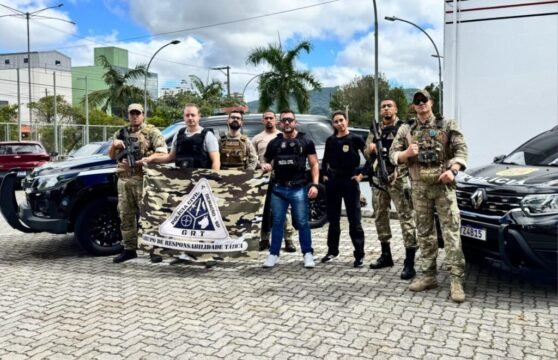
<point>317,209</point>
<point>97,228</point>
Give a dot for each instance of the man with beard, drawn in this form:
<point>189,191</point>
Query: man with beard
<point>236,150</point>
<point>286,155</point>
<point>260,142</point>
<point>435,151</point>
<point>397,190</point>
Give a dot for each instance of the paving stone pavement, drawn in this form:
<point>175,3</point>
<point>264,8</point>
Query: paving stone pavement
<point>57,302</point>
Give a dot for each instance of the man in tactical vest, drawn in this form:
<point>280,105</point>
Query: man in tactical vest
<point>434,150</point>
<point>286,155</point>
<point>260,142</point>
<point>398,190</point>
<point>129,145</point>
<point>236,150</point>
<point>193,147</point>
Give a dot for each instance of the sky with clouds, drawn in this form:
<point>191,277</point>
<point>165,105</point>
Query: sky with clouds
<point>216,33</point>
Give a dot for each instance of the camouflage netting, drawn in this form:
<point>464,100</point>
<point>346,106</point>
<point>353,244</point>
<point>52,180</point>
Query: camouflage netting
<point>182,210</point>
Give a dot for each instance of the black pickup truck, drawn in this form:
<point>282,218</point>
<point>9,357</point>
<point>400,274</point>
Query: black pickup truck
<point>80,195</point>
<point>509,209</point>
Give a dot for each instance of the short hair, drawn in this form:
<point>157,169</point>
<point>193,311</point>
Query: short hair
<point>269,111</point>
<point>338,112</point>
<point>389,99</point>
<point>237,111</point>
<point>287,111</point>
<point>193,105</point>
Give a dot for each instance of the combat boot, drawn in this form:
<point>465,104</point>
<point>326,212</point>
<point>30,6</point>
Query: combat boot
<point>456,290</point>
<point>155,258</point>
<point>423,283</point>
<point>125,255</point>
<point>289,246</point>
<point>264,245</point>
<point>385,259</point>
<point>409,264</point>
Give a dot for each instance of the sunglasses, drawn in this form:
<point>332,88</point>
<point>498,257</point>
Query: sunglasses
<point>419,100</point>
<point>289,120</point>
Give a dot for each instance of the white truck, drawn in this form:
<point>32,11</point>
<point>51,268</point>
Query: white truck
<point>500,72</point>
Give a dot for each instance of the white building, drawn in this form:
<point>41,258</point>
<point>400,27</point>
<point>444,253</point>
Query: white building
<point>45,66</point>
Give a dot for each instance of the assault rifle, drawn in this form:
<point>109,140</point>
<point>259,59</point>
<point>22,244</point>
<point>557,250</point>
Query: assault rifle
<point>381,154</point>
<point>130,150</point>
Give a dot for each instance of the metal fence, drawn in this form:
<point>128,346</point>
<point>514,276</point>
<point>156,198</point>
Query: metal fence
<point>70,136</point>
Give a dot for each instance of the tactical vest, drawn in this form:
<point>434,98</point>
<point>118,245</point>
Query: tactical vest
<point>346,160</point>
<point>387,134</point>
<point>234,152</point>
<point>289,162</point>
<point>142,147</point>
<point>190,151</point>
<point>430,162</point>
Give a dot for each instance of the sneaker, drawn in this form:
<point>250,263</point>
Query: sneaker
<point>359,262</point>
<point>329,258</point>
<point>271,261</point>
<point>125,255</point>
<point>309,260</point>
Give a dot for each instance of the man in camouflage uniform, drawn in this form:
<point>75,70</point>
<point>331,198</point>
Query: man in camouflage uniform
<point>435,150</point>
<point>236,150</point>
<point>260,142</point>
<point>147,140</point>
<point>397,190</point>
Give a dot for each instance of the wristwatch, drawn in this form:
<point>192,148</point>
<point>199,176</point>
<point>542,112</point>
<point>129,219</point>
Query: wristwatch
<point>454,172</point>
<point>316,186</point>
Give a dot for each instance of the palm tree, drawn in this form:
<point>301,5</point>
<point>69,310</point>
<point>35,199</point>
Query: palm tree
<point>119,93</point>
<point>283,80</point>
<point>210,94</point>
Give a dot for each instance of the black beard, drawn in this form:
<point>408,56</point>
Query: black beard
<point>235,125</point>
<point>269,126</point>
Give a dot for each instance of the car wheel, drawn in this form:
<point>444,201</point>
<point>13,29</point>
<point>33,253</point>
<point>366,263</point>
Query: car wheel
<point>97,228</point>
<point>317,209</point>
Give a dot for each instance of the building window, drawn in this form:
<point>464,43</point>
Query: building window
<point>57,62</point>
<point>7,61</point>
<point>25,60</point>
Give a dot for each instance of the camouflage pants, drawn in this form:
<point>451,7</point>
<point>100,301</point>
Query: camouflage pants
<point>129,200</point>
<point>399,192</point>
<point>439,197</point>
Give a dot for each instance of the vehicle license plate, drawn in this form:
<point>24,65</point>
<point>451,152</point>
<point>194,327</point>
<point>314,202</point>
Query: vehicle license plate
<point>478,233</point>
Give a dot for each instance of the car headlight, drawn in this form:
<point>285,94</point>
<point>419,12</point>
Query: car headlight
<point>540,204</point>
<point>48,182</point>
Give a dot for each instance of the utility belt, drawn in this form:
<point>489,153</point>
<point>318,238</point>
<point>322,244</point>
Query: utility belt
<point>295,183</point>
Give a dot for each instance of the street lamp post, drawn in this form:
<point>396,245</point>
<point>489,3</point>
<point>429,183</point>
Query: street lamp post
<point>441,101</point>
<point>174,42</point>
<point>27,16</point>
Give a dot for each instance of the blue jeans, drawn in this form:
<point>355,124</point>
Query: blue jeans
<point>281,197</point>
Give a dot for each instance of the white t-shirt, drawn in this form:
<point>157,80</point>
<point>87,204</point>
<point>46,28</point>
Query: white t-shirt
<point>210,144</point>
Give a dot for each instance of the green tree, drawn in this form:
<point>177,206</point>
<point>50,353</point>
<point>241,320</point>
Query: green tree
<point>43,110</point>
<point>434,91</point>
<point>397,94</point>
<point>119,93</point>
<point>8,114</point>
<point>209,94</point>
<point>283,81</point>
<point>358,95</point>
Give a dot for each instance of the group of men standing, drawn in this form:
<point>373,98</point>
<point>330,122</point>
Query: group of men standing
<point>422,157</point>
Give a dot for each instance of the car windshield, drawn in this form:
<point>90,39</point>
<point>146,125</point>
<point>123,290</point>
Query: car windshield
<point>9,149</point>
<point>170,130</point>
<point>91,149</point>
<point>539,151</point>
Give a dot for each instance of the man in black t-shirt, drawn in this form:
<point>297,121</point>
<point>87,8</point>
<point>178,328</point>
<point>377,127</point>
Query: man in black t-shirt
<point>286,155</point>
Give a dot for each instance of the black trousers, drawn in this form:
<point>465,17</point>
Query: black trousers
<point>348,190</point>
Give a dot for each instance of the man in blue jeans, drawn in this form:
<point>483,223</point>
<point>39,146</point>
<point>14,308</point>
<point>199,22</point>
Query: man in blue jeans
<point>286,155</point>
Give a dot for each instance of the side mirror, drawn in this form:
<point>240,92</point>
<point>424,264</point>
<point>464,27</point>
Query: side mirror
<point>499,158</point>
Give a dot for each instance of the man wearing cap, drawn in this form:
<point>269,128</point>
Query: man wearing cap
<point>144,140</point>
<point>435,151</point>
